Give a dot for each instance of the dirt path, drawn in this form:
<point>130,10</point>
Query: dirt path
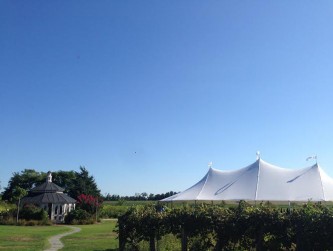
<point>55,240</point>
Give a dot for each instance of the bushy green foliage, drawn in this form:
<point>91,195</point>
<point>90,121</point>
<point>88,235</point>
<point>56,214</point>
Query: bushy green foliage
<point>141,223</point>
<point>30,215</point>
<point>32,212</point>
<point>32,223</point>
<point>24,180</point>
<point>245,227</point>
<point>84,183</point>
<point>79,216</point>
<point>7,216</point>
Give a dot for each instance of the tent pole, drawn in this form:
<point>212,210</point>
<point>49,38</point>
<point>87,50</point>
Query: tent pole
<point>289,205</point>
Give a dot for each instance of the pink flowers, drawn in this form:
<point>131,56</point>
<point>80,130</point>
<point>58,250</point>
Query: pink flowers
<point>88,202</point>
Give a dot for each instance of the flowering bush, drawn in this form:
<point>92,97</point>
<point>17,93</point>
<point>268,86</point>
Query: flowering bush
<point>88,203</point>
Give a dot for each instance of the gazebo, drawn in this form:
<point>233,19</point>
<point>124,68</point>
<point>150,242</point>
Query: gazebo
<point>51,198</point>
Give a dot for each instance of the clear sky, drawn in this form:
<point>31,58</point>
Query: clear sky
<point>145,93</point>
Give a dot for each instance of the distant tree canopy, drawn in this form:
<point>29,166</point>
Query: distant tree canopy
<point>74,183</point>
<point>139,196</point>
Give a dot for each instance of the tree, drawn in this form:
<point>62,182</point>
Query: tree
<point>27,179</point>
<point>84,184</point>
<point>18,193</point>
<point>64,179</point>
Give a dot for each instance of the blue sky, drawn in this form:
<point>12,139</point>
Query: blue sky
<point>145,93</point>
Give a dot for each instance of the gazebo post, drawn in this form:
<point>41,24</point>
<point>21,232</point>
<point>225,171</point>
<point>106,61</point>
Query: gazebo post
<point>52,212</point>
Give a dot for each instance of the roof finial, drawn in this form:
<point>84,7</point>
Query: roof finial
<point>258,155</point>
<point>312,157</point>
<point>210,164</point>
<point>49,177</point>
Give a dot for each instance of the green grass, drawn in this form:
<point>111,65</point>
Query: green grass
<point>28,238</point>
<point>91,237</point>
<point>168,242</point>
<point>95,237</point>
<point>100,237</point>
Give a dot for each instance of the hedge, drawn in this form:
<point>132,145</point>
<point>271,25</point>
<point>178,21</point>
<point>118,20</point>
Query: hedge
<point>244,227</point>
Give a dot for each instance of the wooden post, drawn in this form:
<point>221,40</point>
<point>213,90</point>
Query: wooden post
<point>18,210</point>
<point>218,246</point>
<point>121,237</point>
<point>152,245</point>
<point>184,240</point>
<point>96,207</point>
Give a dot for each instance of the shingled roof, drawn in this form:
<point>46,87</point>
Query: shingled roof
<point>47,187</point>
<point>59,198</point>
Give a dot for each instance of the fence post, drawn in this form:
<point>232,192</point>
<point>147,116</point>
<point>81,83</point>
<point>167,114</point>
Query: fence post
<point>184,240</point>
<point>121,236</point>
<point>152,246</point>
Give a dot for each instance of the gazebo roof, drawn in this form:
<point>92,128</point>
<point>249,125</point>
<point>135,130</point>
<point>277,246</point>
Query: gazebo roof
<point>47,187</point>
<point>60,198</point>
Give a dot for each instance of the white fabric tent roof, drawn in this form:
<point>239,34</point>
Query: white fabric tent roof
<point>261,181</point>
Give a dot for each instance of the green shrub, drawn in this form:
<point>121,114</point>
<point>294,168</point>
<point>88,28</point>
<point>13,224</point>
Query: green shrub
<point>8,217</point>
<point>79,216</point>
<point>7,213</point>
<point>244,227</point>
<point>32,212</point>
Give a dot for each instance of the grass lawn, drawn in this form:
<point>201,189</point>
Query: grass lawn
<point>100,237</point>
<point>95,237</point>
<point>28,237</point>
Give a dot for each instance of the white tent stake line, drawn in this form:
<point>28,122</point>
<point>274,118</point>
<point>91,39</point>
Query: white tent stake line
<point>261,181</point>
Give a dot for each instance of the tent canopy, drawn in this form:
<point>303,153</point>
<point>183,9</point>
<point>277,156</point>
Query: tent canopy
<point>261,181</point>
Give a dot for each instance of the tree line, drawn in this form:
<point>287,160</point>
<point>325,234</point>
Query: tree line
<point>244,227</point>
<point>139,197</point>
<point>74,183</point>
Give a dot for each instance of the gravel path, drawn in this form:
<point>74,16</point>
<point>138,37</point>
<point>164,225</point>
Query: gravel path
<point>55,240</point>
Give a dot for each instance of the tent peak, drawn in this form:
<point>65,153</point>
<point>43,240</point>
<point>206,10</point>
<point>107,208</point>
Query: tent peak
<point>258,155</point>
<point>313,157</point>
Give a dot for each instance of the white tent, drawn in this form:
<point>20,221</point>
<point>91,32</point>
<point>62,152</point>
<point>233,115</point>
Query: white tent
<point>261,181</point>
